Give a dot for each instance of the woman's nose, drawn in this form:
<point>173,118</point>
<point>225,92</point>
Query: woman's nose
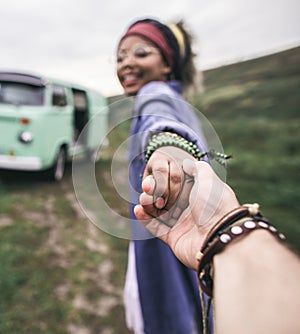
<point>128,60</point>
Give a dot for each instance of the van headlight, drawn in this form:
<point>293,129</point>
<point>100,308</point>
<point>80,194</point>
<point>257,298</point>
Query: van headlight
<point>26,137</point>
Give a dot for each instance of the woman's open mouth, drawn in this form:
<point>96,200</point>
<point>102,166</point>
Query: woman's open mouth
<point>130,79</point>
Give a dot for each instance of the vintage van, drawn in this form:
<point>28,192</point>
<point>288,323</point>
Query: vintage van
<point>44,122</point>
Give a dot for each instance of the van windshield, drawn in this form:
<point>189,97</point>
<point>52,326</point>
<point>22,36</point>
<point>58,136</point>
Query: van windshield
<point>21,94</point>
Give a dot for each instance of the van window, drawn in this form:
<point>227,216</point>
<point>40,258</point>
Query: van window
<point>59,96</point>
<point>21,94</point>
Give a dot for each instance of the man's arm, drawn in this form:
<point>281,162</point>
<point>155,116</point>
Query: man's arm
<point>256,287</point>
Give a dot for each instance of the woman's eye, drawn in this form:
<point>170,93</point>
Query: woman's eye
<point>141,52</point>
<point>120,58</point>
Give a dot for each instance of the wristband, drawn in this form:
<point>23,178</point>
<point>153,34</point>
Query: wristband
<point>225,235</point>
<point>172,139</point>
<point>161,139</point>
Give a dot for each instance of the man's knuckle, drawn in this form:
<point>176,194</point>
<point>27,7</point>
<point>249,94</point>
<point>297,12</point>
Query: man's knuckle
<point>176,178</point>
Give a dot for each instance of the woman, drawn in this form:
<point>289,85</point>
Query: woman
<point>155,65</point>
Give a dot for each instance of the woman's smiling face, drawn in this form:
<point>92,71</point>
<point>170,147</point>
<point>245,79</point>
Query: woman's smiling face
<point>139,62</point>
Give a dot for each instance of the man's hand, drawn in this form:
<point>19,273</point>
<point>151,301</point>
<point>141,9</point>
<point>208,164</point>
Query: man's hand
<point>209,200</point>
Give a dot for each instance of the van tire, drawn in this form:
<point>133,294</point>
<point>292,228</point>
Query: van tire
<point>56,172</point>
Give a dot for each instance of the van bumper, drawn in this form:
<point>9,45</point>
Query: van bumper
<point>20,163</point>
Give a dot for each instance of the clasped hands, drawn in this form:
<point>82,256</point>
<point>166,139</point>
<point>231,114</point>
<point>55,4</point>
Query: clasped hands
<point>181,200</point>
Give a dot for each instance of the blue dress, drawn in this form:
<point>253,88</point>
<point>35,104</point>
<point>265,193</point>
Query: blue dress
<point>168,291</point>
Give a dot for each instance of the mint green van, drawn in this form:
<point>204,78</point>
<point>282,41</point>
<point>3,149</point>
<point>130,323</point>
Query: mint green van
<point>44,122</point>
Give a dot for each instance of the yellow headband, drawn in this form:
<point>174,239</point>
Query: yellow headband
<point>179,37</point>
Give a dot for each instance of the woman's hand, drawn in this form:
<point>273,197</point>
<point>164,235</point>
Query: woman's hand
<point>207,200</point>
<point>165,165</point>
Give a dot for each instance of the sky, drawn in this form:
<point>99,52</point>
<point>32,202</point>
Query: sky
<point>75,40</point>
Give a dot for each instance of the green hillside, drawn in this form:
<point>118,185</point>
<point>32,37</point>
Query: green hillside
<point>255,108</point>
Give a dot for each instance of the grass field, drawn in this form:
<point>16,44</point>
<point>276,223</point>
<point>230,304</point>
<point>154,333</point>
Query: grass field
<point>61,274</point>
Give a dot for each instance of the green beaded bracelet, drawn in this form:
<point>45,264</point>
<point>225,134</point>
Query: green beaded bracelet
<point>172,139</point>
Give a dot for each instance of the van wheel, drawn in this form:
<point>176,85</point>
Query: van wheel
<point>56,172</point>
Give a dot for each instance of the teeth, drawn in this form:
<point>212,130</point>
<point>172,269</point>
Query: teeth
<point>130,77</point>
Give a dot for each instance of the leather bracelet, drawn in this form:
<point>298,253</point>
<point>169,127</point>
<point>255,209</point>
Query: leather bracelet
<point>219,243</point>
<point>246,210</point>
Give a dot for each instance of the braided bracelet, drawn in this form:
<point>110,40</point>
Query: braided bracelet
<point>172,139</point>
<point>242,227</point>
